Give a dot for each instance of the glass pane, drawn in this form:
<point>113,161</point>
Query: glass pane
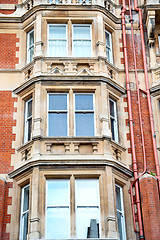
<point>58,223</point>
<point>83,220</point>
<point>107,38</point>
<point>87,192</point>
<point>84,102</point>
<point>108,54</point>
<point>113,128</point>
<point>119,220</point>
<point>57,124</point>
<point>26,199</point>
<point>29,129</point>
<point>58,193</point>
<point>57,32</point>
<point>82,48</point>
<point>58,102</point>
<point>81,32</point>
<point>31,53</point>
<point>112,111</point>
<point>118,199</point>
<point>29,113</point>
<point>57,48</point>
<point>84,124</point>
<point>25,226</point>
<point>31,38</point>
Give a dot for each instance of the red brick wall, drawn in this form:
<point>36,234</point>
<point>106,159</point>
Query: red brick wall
<point>8,50</point>
<point>2,192</point>
<point>6,125</point>
<point>6,137</point>
<point>8,1</point>
<point>150,208</point>
<point>3,11</point>
<point>147,132</point>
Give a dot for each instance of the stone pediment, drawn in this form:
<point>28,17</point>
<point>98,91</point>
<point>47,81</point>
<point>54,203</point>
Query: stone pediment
<point>56,71</point>
<point>84,71</point>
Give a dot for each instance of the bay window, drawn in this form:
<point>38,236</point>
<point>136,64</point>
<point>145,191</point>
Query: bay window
<point>57,114</point>
<point>24,213</point>
<point>81,40</point>
<point>109,52</point>
<point>120,213</point>
<point>30,46</point>
<point>57,40</point>
<point>28,120</point>
<point>113,119</point>
<point>59,213</point>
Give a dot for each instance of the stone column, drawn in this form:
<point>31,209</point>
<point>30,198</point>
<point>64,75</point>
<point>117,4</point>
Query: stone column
<point>111,216</point>
<point>34,216</point>
<point>37,112</point>
<point>105,118</point>
<point>38,44</point>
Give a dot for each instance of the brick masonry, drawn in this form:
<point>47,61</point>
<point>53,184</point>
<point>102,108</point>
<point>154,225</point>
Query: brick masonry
<point>150,208</point>
<point>8,49</point>
<point>6,137</point>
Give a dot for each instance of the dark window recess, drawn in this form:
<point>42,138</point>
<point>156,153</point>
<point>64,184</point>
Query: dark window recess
<point>93,230</point>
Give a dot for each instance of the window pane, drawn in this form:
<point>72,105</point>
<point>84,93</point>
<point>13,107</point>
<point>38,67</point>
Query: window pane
<point>31,51</point>
<point>57,48</point>
<point>107,39</point>
<point>58,193</point>
<point>26,199</point>
<point>31,38</point>
<point>81,32</point>
<point>57,124</point>
<point>57,32</point>
<point>25,226</point>
<point>58,223</point>
<point>119,220</point>
<point>82,48</point>
<point>118,198</point>
<point>112,110</point>
<point>84,102</point>
<point>29,109</point>
<point>58,102</point>
<point>83,220</point>
<point>113,128</point>
<point>87,192</point>
<point>84,124</point>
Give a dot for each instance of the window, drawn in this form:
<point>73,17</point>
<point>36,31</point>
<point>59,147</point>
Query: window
<point>113,119</point>
<point>120,213</point>
<point>24,212</point>
<point>108,38</point>
<point>57,114</point>
<point>59,213</point>
<point>57,40</point>
<point>28,120</point>
<point>30,46</point>
<point>81,40</point>
<point>159,41</point>
<point>84,114</point>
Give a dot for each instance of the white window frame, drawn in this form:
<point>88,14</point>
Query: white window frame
<point>98,204</point>
<point>66,39</point>
<point>67,111</point>
<point>122,212</point>
<point>22,213</point>
<point>73,51</point>
<point>26,119</point>
<point>94,114</point>
<point>72,226</point>
<point>115,119</point>
<point>47,180</point>
<point>109,47</point>
<point>29,47</point>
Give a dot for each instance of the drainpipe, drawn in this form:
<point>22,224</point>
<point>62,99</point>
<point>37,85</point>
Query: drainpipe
<point>131,123</point>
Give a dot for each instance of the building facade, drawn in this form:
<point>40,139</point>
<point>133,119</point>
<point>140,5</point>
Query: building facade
<point>79,119</point>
